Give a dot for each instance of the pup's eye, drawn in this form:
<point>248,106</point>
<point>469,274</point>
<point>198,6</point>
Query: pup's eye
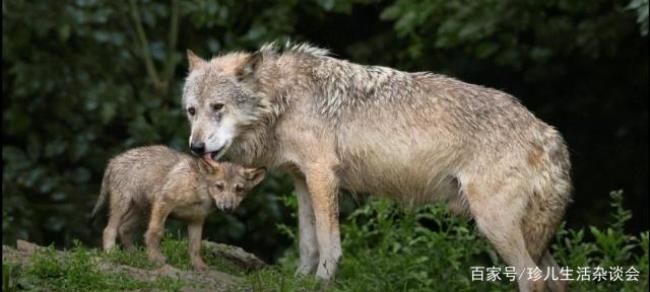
<point>217,106</point>
<point>239,188</point>
<point>191,111</point>
<point>219,186</point>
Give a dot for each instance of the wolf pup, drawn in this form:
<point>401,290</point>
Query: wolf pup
<point>157,181</point>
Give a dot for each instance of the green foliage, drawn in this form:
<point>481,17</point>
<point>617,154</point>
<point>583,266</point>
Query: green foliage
<point>412,249</point>
<point>641,7</point>
<point>608,247</point>
<point>492,29</point>
<point>9,277</point>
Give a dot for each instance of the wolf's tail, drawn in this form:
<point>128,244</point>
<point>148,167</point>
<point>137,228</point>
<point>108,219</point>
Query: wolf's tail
<point>101,201</point>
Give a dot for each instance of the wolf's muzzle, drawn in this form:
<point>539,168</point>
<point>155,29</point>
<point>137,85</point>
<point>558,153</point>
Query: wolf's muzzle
<point>198,148</point>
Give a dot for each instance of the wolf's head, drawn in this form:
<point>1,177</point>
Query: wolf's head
<point>227,183</point>
<point>220,102</point>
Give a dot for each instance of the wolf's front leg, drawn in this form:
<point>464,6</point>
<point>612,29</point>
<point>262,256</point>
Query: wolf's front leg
<point>323,187</point>
<point>307,229</point>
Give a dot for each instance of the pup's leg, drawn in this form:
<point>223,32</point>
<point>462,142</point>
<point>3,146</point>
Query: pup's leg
<point>323,187</point>
<point>194,231</point>
<point>498,209</point>
<point>307,229</point>
<point>129,225</point>
<point>117,211</point>
<point>155,231</point>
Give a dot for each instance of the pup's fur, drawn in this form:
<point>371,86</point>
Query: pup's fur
<point>414,136</point>
<point>156,181</point>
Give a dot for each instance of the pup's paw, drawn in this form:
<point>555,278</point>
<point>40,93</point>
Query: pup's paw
<point>199,265</point>
<point>157,258</point>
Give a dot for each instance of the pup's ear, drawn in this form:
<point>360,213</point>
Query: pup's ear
<point>250,66</point>
<point>255,175</point>
<point>193,60</point>
<point>208,166</point>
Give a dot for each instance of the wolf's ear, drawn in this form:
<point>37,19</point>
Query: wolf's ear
<point>255,175</point>
<point>250,66</point>
<point>193,60</point>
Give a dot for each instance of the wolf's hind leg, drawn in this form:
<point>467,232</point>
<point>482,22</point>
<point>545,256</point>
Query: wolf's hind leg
<point>117,211</point>
<point>542,219</point>
<point>498,211</point>
<point>548,263</point>
<point>110,232</point>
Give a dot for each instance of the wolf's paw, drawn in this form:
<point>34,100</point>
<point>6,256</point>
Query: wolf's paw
<point>305,269</point>
<point>326,270</point>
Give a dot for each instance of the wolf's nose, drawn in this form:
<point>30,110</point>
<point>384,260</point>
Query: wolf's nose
<point>198,148</point>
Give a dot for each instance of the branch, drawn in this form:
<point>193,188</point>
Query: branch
<point>170,62</point>
<point>144,44</point>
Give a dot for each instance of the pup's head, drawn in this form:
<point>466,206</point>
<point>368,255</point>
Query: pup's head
<point>229,183</point>
<point>219,101</point>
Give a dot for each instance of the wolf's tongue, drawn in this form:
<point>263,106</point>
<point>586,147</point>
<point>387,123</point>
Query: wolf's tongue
<point>207,156</point>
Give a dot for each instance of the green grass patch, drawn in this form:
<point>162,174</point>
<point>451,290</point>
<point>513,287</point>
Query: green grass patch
<point>136,258</point>
<point>386,248</point>
<point>77,271</point>
<point>174,247</point>
<point>281,278</point>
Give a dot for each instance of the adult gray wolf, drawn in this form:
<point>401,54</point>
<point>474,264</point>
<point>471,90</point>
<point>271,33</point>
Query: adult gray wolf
<point>417,137</point>
<point>155,181</point>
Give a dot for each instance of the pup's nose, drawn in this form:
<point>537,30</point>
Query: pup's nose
<point>228,209</point>
<point>198,148</point>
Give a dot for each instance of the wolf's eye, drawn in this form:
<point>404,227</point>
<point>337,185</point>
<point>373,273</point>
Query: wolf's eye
<point>219,186</point>
<point>191,111</point>
<point>217,106</point>
<point>239,188</point>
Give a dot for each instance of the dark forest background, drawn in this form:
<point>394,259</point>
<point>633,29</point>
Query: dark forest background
<point>84,80</point>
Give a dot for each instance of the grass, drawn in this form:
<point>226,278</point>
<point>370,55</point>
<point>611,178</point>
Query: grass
<point>76,272</point>
<point>385,248</point>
